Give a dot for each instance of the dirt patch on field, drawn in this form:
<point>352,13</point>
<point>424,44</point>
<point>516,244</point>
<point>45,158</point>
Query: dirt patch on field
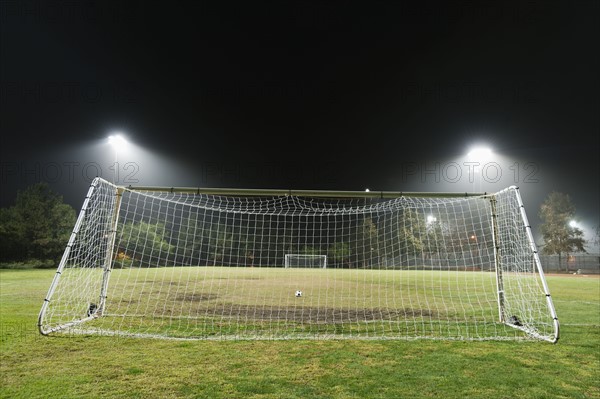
<point>313,314</point>
<point>197,297</point>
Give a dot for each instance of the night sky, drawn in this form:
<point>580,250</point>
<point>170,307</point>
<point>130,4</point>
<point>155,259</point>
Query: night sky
<point>304,95</point>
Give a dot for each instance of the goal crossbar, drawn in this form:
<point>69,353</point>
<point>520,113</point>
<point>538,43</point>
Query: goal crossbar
<point>302,193</point>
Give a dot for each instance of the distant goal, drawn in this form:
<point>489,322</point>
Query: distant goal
<point>198,263</point>
<point>305,261</point>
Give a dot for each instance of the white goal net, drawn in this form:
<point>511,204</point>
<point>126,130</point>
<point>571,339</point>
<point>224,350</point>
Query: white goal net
<point>226,264</point>
<point>309,261</point>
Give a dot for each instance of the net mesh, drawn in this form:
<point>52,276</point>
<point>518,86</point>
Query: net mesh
<point>197,266</point>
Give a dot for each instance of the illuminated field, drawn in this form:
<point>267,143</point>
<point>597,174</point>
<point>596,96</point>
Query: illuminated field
<point>230,302</point>
<point>82,366</point>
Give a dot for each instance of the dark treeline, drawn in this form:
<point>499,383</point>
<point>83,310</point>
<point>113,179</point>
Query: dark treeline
<point>35,230</point>
<point>218,238</point>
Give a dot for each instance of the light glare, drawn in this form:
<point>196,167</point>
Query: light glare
<point>117,140</point>
<point>480,152</point>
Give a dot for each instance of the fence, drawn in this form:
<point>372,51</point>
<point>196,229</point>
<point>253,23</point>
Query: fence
<point>572,263</point>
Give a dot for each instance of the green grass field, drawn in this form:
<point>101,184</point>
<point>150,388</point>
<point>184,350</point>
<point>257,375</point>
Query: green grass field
<point>33,366</point>
<point>213,302</point>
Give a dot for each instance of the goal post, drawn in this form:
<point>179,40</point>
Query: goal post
<point>201,263</point>
<point>305,261</point>
<point>81,278</point>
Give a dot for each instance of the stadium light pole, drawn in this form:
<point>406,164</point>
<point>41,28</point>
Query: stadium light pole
<point>478,155</point>
<point>116,141</point>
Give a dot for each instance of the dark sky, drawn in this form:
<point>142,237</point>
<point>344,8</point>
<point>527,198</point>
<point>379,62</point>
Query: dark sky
<point>306,95</point>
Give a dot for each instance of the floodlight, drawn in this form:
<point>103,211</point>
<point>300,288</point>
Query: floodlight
<point>480,152</point>
<point>116,140</point>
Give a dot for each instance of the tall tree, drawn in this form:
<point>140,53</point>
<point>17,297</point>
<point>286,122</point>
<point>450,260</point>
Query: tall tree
<point>150,239</point>
<point>367,244</point>
<point>339,253</point>
<point>38,226</point>
<point>559,236</point>
<point>13,245</point>
<point>411,233</point>
<point>434,238</point>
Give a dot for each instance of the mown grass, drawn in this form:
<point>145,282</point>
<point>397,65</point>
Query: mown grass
<point>218,302</point>
<point>33,366</point>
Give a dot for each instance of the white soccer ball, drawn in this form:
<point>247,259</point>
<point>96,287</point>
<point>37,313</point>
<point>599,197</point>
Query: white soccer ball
<point>298,293</point>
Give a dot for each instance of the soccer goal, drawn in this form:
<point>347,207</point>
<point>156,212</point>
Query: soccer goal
<point>308,261</point>
<point>194,263</point>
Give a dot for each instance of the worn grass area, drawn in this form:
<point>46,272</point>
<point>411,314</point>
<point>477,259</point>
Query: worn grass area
<point>33,366</point>
<point>219,302</point>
